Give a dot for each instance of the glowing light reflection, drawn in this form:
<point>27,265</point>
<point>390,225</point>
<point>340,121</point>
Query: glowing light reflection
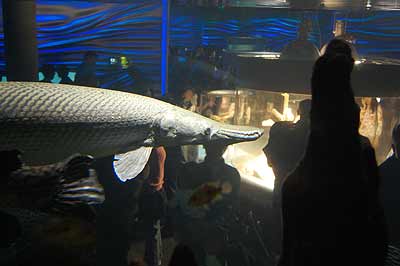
<point>253,168</point>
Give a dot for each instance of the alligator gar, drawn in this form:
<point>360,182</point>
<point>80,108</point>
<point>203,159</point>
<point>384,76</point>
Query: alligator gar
<point>50,122</point>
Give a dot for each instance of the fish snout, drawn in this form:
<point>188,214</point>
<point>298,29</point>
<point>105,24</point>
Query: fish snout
<point>236,134</point>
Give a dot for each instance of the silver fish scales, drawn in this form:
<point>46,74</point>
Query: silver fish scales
<point>50,122</point>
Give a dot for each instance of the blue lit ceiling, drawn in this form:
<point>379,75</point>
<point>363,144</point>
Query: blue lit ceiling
<point>67,29</point>
<point>320,4</point>
<point>377,33</point>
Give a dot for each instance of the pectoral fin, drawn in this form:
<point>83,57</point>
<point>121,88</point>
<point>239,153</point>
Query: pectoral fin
<point>128,165</point>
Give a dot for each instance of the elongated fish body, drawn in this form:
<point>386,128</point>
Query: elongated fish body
<point>50,122</point>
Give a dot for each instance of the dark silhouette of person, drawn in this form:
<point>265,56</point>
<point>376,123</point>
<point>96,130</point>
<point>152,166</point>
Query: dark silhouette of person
<point>390,173</point>
<point>330,208</point>
<point>286,146</point>
<point>48,72</point>
<point>86,73</point>
<point>115,220</point>
<point>278,152</point>
<point>152,205</point>
<point>141,197</point>
<point>173,165</point>
<point>63,72</point>
<point>301,48</point>
<point>182,256</point>
<point>303,125</point>
<point>300,133</point>
<point>111,223</point>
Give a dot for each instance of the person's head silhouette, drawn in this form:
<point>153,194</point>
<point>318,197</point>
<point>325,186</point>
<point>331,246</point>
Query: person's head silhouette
<point>62,71</point>
<point>90,58</point>
<point>304,109</point>
<point>334,109</point>
<point>338,46</point>
<point>215,150</point>
<point>183,256</point>
<point>48,72</point>
<point>276,149</point>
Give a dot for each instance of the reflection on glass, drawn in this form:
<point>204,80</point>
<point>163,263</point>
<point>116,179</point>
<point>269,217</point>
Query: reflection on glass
<point>264,108</point>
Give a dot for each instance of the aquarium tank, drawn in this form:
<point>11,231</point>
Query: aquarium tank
<point>161,132</point>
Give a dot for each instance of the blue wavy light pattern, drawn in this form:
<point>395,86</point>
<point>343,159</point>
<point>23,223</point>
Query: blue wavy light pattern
<point>377,33</point>
<point>277,28</point>
<point>67,29</point>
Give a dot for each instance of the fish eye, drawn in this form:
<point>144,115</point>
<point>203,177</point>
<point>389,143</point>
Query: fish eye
<point>207,131</point>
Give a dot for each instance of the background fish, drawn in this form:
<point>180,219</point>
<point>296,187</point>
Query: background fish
<point>50,122</point>
<point>62,186</point>
<point>208,193</point>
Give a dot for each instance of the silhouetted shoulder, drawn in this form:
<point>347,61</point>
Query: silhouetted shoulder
<point>231,169</point>
<point>232,173</point>
<point>294,182</point>
<point>389,171</point>
<point>387,164</point>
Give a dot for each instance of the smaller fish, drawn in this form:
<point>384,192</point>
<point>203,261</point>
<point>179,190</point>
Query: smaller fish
<point>71,184</point>
<point>208,193</point>
<point>68,183</point>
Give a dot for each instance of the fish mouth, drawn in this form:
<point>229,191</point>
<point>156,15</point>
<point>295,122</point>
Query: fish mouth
<point>234,134</point>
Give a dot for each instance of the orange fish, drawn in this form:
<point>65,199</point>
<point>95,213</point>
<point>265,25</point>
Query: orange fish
<point>208,193</point>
